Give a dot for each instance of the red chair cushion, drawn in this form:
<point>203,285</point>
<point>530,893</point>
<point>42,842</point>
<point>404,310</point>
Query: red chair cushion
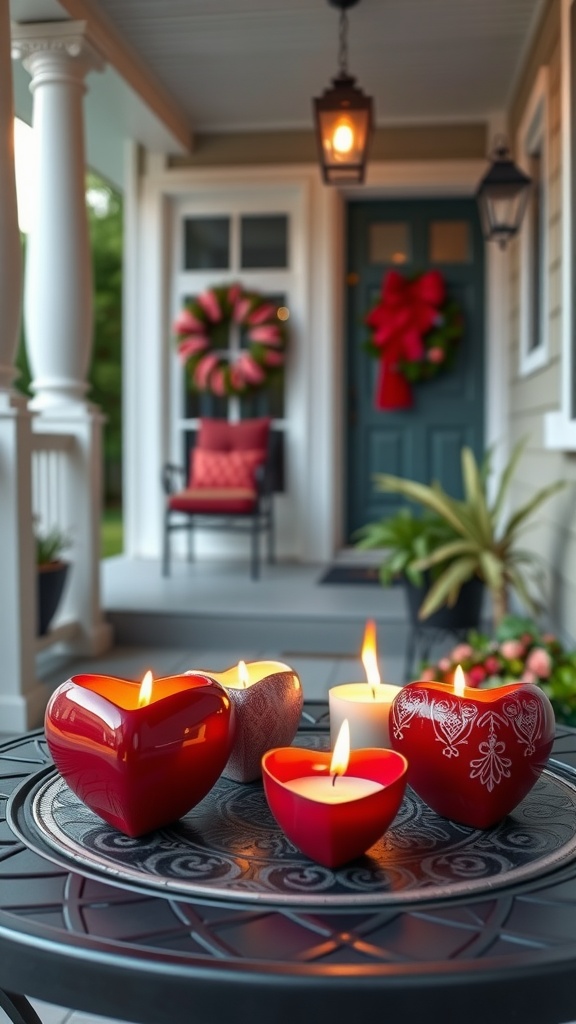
<point>221,436</point>
<point>210,500</point>
<point>224,469</point>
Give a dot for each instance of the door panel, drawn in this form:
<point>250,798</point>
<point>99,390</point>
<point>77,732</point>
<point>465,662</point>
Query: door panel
<point>423,442</point>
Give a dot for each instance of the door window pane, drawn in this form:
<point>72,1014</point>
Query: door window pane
<point>389,243</point>
<point>263,242</point>
<point>450,241</point>
<point>206,243</point>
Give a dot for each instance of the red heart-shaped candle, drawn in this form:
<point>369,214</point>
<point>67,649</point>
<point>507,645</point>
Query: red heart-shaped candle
<point>267,699</point>
<point>139,767</point>
<point>332,833</point>
<point>474,757</point>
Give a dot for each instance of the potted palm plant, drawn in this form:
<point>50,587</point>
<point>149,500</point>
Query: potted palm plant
<point>52,573</point>
<point>407,538</point>
<point>484,541</point>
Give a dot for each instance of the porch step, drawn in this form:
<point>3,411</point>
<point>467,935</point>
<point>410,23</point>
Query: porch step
<point>218,605</point>
<point>303,634</point>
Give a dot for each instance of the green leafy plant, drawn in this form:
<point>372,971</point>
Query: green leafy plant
<point>486,542</point>
<point>50,546</point>
<point>407,538</point>
<point>518,651</point>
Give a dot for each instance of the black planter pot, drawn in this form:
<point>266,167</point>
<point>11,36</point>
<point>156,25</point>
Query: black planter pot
<point>464,615</point>
<point>51,581</point>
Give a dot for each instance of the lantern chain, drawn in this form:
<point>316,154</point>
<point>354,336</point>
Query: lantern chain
<point>343,43</point>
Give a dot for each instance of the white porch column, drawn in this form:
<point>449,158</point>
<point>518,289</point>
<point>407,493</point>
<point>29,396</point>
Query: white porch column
<point>58,301</point>
<point>21,699</point>
<point>58,287</point>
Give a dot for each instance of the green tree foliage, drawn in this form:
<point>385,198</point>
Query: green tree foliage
<point>105,221</point>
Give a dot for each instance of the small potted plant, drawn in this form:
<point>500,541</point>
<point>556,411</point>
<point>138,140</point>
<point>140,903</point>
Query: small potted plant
<point>52,573</point>
<point>405,539</point>
<point>483,543</point>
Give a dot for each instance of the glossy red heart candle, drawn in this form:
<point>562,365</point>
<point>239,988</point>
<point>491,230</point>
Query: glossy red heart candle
<point>267,699</point>
<point>300,791</point>
<point>139,767</point>
<point>472,757</point>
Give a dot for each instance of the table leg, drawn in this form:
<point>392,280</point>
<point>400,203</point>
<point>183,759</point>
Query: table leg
<point>18,1009</point>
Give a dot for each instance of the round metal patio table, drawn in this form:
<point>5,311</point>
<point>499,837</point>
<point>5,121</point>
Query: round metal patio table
<point>500,956</point>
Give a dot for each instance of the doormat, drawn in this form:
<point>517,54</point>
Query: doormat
<point>351,574</point>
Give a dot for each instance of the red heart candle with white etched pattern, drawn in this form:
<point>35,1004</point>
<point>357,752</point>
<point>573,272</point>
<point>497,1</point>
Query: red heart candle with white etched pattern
<point>267,699</point>
<point>473,754</point>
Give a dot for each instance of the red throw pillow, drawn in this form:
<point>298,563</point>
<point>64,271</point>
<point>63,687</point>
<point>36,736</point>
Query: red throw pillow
<point>224,469</point>
<point>221,436</point>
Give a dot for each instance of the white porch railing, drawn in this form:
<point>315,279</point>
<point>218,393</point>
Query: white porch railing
<point>50,468</point>
<point>51,455</point>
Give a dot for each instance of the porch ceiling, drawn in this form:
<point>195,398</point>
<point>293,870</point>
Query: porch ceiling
<point>245,65</point>
<point>255,64</point>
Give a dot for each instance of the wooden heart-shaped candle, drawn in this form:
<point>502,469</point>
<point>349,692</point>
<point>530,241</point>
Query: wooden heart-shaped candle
<point>473,754</point>
<point>267,698</point>
<point>139,756</point>
<point>333,815</point>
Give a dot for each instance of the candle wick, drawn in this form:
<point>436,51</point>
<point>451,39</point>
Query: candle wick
<point>334,778</point>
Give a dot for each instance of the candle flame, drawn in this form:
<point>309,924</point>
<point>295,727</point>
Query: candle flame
<point>369,655</point>
<point>459,681</point>
<point>341,753</point>
<point>243,674</point>
<point>145,692</point>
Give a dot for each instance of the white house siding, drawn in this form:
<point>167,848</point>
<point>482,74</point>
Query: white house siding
<point>534,395</point>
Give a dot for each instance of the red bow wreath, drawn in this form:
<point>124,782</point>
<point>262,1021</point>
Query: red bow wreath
<point>413,329</point>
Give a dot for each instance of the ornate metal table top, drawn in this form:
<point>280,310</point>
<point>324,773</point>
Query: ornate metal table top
<point>502,950</point>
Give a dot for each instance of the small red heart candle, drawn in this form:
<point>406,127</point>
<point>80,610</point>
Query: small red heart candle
<point>334,813</point>
<point>139,756</point>
<point>473,754</point>
<point>267,699</point>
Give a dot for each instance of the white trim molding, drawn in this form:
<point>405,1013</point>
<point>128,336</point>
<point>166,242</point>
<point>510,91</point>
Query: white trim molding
<point>560,425</point>
<point>533,139</point>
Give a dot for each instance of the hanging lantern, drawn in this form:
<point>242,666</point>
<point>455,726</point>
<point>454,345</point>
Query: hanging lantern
<point>502,196</point>
<point>343,118</point>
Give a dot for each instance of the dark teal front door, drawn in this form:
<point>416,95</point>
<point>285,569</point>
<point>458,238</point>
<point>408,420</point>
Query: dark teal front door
<point>422,442</point>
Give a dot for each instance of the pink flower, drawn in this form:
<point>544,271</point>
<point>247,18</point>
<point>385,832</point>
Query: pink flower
<point>234,294</point>
<point>461,652</point>
<point>241,310</point>
<point>427,675</point>
<point>249,369</point>
<point>540,662</point>
<point>512,649</point>
<point>436,355</point>
<point>187,323</point>
<point>262,313</point>
<point>217,381</point>
<point>476,674</point>
<point>444,664</point>
<point>191,345</point>
<point>204,369</point>
<point>210,305</point>
<point>272,358</point>
<point>269,334</point>
<point>529,677</point>
<point>548,638</point>
<point>492,665</point>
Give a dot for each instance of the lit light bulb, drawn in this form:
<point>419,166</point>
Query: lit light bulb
<point>343,138</point>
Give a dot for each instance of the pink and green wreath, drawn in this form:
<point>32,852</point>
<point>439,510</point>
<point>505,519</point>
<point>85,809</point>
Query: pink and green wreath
<point>202,332</point>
